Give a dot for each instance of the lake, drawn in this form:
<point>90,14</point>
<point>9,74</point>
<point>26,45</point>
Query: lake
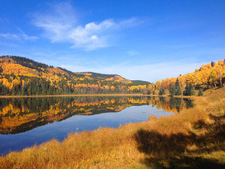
<point>25,122</point>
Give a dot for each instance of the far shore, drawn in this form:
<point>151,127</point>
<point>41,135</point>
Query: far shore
<point>85,95</point>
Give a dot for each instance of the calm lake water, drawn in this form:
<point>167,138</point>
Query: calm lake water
<point>25,122</point>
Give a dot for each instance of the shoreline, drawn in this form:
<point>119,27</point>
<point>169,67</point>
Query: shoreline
<point>69,95</point>
<point>87,95</point>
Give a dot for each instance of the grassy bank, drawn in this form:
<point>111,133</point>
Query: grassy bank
<point>193,138</point>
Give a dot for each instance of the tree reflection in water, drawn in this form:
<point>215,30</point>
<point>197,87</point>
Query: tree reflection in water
<point>18,115</point>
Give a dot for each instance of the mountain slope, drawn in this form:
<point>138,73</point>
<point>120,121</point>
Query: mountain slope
<point>23,76</point>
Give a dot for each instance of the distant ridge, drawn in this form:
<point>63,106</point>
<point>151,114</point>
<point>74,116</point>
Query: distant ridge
<point>140,82</point>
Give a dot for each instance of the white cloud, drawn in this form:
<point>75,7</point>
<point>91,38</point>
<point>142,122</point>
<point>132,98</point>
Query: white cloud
<point>60,25</point>
<point>56,23</point>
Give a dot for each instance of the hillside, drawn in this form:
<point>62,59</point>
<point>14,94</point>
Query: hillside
<point>211,75</point>
<point>23,76</point>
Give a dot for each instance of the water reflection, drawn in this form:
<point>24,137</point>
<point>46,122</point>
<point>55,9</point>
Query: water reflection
<point>24,114</point>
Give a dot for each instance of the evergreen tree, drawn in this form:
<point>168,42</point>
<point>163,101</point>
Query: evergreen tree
<point>200,92</point>
<point>192,90</point>
<point>189,90</point>
<point>178,91</point>
<point>162,91</point>
<point>177,87</point>
<point>172,90</point>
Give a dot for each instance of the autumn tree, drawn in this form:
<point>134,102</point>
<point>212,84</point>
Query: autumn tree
<point>220,72</point>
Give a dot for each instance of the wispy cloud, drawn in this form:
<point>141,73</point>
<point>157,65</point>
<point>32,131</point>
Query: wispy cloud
<point>19,36</point>
<point>57,22</point>
<point>60,25</point>
<point>9,36</point>
<point>25,36</point>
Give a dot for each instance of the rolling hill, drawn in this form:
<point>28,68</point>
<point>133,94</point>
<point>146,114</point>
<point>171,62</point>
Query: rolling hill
<point>23,76</point>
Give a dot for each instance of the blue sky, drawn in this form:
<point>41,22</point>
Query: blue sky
<point>146,40</point>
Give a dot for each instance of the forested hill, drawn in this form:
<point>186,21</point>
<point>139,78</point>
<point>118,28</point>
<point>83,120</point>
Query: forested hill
<point>23,76</point>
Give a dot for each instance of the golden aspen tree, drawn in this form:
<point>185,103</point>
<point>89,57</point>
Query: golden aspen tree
<point>158,84</point>
<point>220,71</point>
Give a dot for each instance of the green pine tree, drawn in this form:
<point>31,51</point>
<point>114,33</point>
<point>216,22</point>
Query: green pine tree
<point>162,92</point>
<point>187,91</point>
<point>177,87</point>
<point>172,90</point>
<point>200,92</point>
<point>192,90</point>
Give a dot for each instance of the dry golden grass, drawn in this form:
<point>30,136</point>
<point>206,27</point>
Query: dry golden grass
<point>120,148</point>
<point>103,148</point>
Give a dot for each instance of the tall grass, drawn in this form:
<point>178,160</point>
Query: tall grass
<point>180,139</point>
